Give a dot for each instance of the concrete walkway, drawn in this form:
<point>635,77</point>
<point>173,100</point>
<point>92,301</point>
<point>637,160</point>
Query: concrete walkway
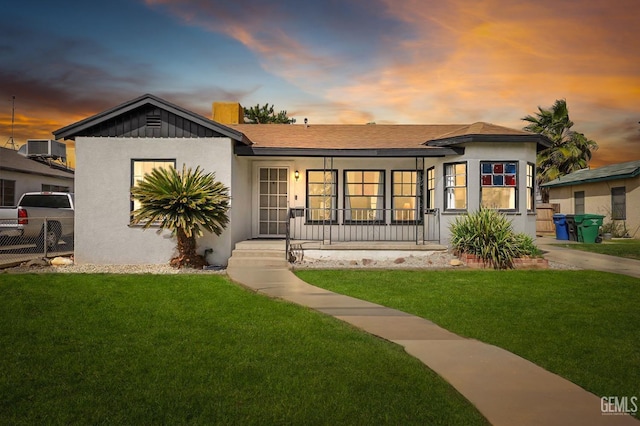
<point>506,389</point>
<point>586,260</point>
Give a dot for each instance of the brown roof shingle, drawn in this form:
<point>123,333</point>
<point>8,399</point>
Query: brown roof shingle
<point>361,136</point>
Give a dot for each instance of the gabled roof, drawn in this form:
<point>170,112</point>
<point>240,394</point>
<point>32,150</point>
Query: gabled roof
<point>82,127</point>
<point>10,160</point>
<point>627,170</point>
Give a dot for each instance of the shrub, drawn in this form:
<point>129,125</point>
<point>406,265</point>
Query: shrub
<point>487,234</point>
<point>527,246</point>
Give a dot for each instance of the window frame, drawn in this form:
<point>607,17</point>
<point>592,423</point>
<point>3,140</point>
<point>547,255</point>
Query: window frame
<point>516,194</point>
<point>334,197</point>
<point>3,193</point>
<point>575,202</point>
<point>531,187</point>
<point>623,194</point>
<point>382,195</point>
<point>133,177</point>
<point>430,201</point>
<point>419,198</point>
<point>447,208</point>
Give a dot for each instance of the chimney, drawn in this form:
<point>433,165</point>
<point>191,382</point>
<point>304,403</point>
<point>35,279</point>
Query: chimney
<point>228,113</point>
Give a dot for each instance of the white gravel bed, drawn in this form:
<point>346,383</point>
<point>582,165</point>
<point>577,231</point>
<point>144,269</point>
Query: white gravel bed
<point>436,261</point>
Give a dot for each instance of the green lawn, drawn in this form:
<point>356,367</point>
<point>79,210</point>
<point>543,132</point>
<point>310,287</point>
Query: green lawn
<point>583,325</point>
<point>629,248</point>
<point>196,349</point>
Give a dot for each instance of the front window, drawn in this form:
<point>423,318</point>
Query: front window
<point>139,168</point>
<point>618,203</point>
<point>7,192</point>
<point>364,195</point>
<point>455,186</point>
<point>499,182</point>
<point>322,195</point>
<point>406,195</point>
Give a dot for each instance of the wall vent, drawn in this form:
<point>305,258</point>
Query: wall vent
<point>154,120</point>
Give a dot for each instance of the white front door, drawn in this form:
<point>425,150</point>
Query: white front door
<point>272,201</point>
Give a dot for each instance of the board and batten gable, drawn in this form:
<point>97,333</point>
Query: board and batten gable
<point>103,233</point>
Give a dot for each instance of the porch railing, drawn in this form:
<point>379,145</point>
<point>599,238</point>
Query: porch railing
<point>343,225</point>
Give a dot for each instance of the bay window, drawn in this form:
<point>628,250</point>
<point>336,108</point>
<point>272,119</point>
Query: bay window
<point>499,183</point>
<point>455,186</point>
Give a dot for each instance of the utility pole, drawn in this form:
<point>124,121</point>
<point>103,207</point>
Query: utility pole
<point>10,141</point>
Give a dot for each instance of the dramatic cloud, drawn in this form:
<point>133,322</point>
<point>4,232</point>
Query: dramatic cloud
<point>336,61</point>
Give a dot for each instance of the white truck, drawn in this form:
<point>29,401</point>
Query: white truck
<point>40,217</point>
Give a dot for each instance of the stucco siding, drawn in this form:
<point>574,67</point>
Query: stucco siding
<point>103,179</point>
<point>26,182</point>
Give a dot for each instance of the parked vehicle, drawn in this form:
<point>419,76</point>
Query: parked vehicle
<point>43,217</point>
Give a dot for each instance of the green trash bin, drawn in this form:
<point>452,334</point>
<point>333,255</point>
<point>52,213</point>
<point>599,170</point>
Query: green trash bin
<point>589,227</point>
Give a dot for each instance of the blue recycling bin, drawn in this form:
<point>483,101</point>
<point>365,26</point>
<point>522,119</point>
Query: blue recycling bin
<point>562,229</point>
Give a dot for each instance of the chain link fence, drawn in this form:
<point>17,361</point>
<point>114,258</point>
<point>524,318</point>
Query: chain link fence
<point>22,241</point>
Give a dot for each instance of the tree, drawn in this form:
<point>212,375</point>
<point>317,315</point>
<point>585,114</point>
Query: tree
<point>570,150</point>
<point>186,203</point>
<point>266,115</point>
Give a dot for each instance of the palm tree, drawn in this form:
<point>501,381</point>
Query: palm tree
<point>570,150</point>
<point>186,203</point>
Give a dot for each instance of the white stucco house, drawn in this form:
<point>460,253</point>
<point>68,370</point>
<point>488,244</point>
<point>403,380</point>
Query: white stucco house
<point>327,183</point>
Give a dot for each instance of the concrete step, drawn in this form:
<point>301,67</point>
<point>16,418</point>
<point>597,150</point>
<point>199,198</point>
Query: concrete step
<point>258,253</point>
<point>261,245</point>
<point>257,262</point>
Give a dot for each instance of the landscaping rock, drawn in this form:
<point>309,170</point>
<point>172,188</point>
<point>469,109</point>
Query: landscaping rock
<point>399,260</point>
<point>367,262</point>
<point>456,262</point>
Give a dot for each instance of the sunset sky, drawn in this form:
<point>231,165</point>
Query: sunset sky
<point>348,61</point>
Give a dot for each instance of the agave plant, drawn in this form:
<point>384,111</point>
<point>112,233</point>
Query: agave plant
<point>187,203</point>
<point>487,234</point>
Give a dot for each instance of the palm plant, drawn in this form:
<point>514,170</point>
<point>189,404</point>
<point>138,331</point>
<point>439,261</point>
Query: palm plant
<point>571,151</point>
<point>186,203</point>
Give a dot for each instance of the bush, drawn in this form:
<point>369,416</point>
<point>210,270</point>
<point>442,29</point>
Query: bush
<point>489,235</point>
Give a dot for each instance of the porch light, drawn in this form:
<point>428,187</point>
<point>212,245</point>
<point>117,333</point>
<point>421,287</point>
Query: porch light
<point>296,175</point>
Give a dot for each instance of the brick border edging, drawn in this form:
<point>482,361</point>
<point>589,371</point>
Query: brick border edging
<point>474,262</point>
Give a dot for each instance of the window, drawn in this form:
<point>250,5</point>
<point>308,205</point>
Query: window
<point>578,202</point>
<point>531,188</point>
<point>7,192</point>
<point>406,195</point>
<point>498,185</point>
<point>322,195</point>
<point>139,168</point>
<point>455,186</point>
<point>618,203</point>
<point>54,188</point>
<point>431,188</point>
<point>364,196</point>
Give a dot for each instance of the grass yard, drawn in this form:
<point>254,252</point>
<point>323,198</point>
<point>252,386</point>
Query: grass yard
<point>629,248</point>
<point>196,349</point>
<point>582,325</point>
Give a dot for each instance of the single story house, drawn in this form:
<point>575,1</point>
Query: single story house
<point>19,174</point>
<point>612,191</point>
<point>327,183</point>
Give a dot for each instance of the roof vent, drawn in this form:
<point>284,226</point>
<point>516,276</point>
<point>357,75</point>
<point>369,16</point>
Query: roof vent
<point>46,148</point>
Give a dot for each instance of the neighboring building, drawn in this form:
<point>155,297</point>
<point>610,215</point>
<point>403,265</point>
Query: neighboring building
<point>612,191</point>
<point>343,182</point>
<point>19,174</point>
